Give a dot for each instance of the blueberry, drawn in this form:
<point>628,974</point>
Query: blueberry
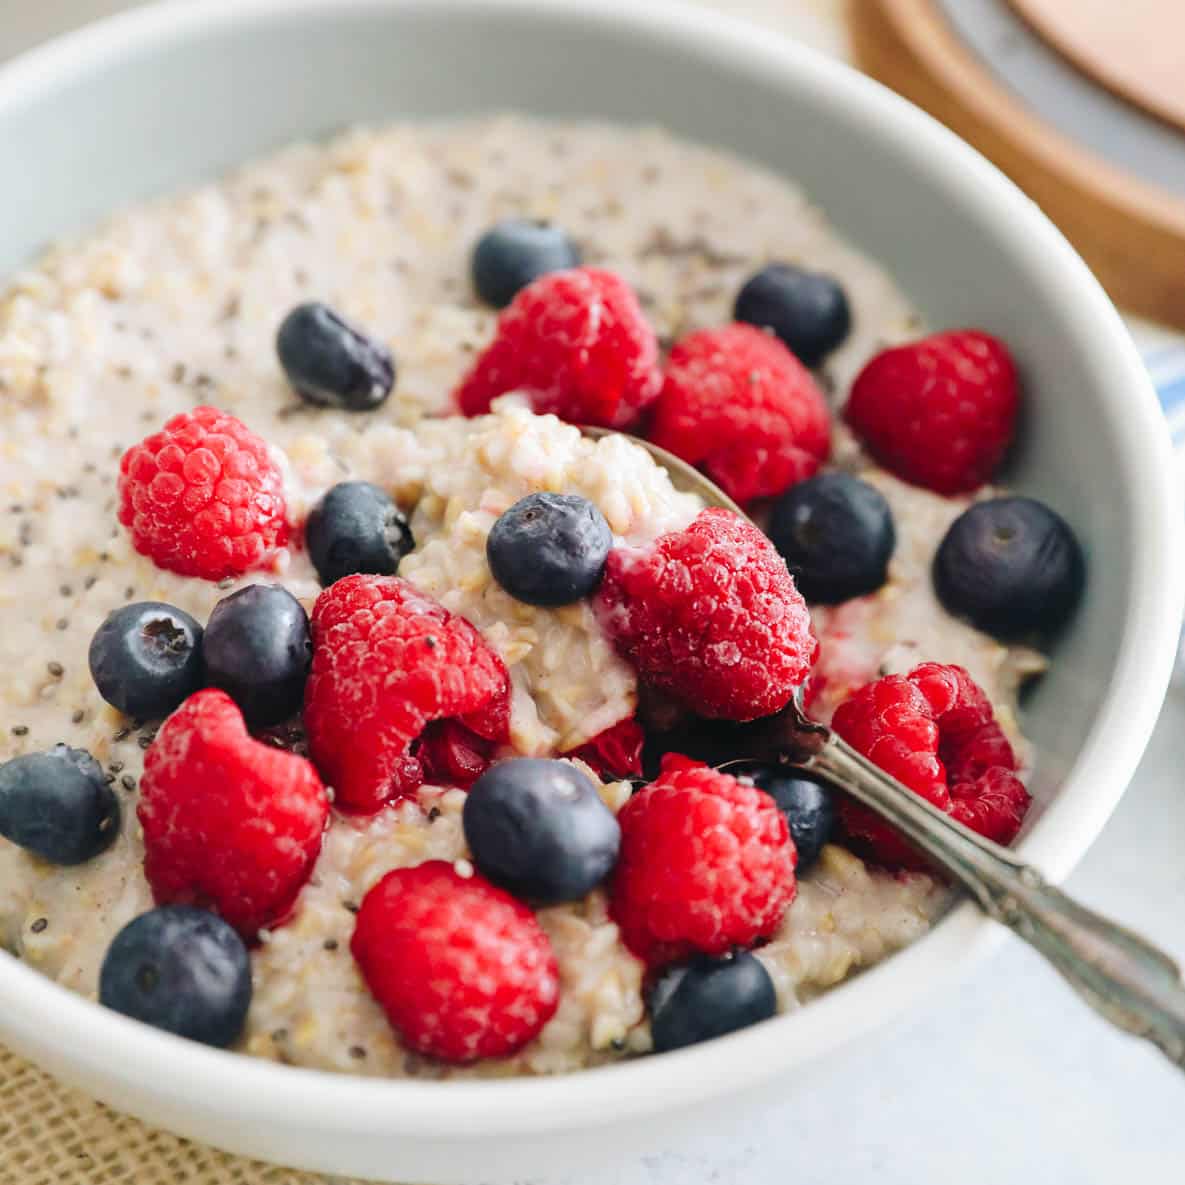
<point>180,969</point>
<point>356,527</point>
<point>549,549</point>
<point>146,658</point>
<point>258,651</point>
<point>1010,566</point>
<point>706,998</point>
<point>539,829</point>
<point>809,312</point>
<point>58,805</point>
<point>331,363</point>
<point>836,535</point>
<point>516,251</point>
<point>809,809</point>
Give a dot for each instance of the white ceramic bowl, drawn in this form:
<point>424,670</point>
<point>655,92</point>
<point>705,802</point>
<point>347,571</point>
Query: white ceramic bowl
<point>170,94</point>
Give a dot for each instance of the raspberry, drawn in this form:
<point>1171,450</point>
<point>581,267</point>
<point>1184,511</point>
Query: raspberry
<point>400,690</point>
<point>939,412</point>
<point>706,864</point>
<point>710,616</point>
<point>739,405</point>
<point>934,730</point>
<point>203,496</point>
<point>462,970</point>
<point>577,343</point>
<point>616,751</point>
<point>229,822</point>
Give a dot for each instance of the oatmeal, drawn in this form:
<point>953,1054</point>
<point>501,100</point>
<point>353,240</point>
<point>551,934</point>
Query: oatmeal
<point>175,303</point>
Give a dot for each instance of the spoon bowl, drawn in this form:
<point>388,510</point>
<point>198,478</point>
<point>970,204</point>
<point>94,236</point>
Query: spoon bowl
<point>1124,977</point>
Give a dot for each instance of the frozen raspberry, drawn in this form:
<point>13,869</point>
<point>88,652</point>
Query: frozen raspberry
<point>203,496</point>
<point>400,690</point>
<point>706,864</point>
<point>934,730</point>
<point>229,822</point>
<point>462,970</point>
<point>739,405</point>
<point>616,751</point>
<point>710,616</point>
<point>577,343</point>
<point>940,412</point>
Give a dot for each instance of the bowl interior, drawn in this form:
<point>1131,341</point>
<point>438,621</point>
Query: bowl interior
<point>178,95</point>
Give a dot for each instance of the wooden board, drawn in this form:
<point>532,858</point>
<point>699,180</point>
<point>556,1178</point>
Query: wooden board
<point>1131,232</point>
<point>1134,47</point>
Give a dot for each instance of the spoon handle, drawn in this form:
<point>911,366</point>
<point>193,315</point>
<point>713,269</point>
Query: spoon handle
<point>1122,976</point>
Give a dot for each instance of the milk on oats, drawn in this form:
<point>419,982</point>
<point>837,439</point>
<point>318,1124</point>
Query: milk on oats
<point>175,303</point>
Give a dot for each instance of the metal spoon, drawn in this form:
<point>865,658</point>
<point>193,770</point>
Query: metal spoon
<point>1130,982</point>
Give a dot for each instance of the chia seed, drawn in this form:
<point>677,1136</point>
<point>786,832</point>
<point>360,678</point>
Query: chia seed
<point>40,926</point>
<point>55,669</point>
<point>20,730</point>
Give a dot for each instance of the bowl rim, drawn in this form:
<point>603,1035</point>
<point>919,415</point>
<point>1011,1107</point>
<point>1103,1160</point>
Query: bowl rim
<point>106,1046</point>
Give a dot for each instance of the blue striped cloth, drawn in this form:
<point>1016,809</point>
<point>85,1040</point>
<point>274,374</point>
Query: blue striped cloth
<point>1166,363</point>
<point>1165,358</point>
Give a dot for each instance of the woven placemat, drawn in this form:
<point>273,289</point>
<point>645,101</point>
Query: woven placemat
<point>50,1135</point>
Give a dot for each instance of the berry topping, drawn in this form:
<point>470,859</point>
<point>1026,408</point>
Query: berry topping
<point>836,534</point>
<point>387,663</point>
<point>462,970</point>
<point>616,751</point>
<point>57,805</point>
<point>203,497</point>
<point>809,809</point>
<point>577,343</point>
<point>1010,566</point>
<point>710,616</point>
<point>229,822</point>
<point>549,549</point>
<point>516,251</point>
<point>933,730</point>
<point>331,363</point>
<point>940,412</point>
<point>808,311</point>
<point>356,527</point>
<point>706,864</point>
<point>146,658</point>
<point>539,829</point>
<point>739,405</point>
<point>180,969</point>
<point>258,650</point>
<point>706,998</point>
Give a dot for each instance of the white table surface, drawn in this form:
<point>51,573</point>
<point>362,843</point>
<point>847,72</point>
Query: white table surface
<point>1008,1080</point>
